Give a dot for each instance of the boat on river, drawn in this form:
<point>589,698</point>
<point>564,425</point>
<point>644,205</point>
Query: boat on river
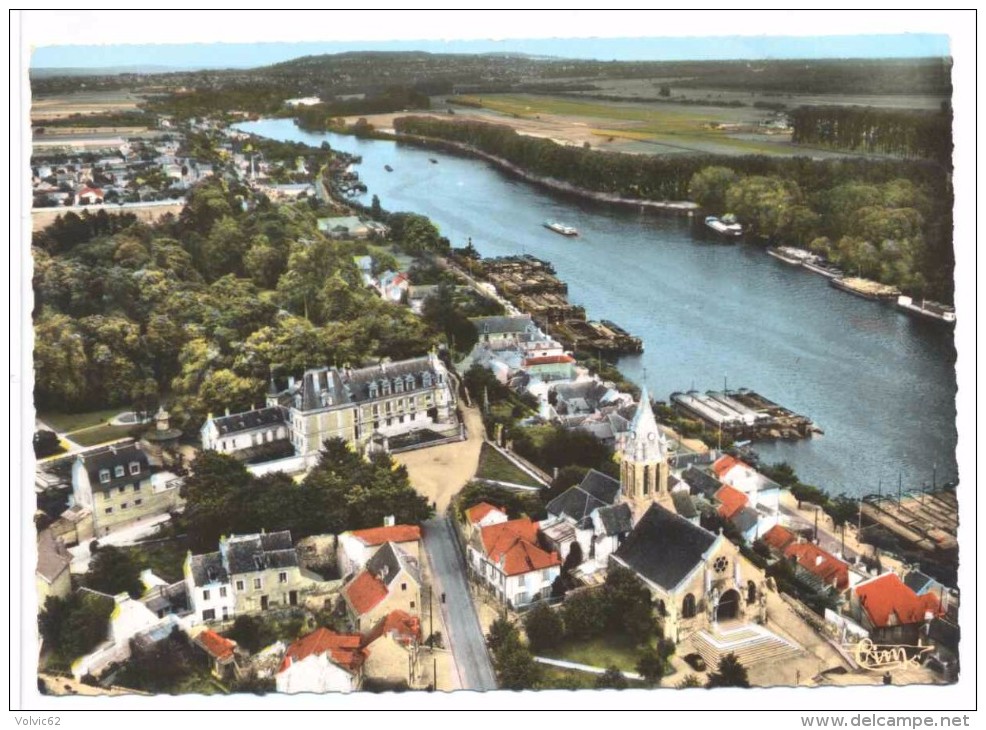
<point>820,266</point>
<point>789,255</point>
<point>388,168</point>
<point>926,309</point>
<point>726,226</point>
<point>561,228</point>
<point>432,160</point>
<point>865,288</point>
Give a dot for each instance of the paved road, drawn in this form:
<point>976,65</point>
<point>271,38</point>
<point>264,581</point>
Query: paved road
<point>826,539</point>
<point>464,633</point>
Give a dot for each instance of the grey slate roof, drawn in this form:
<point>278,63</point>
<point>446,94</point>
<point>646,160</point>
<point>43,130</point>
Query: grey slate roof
<point>745,519</point>
<point>112,456</point>
<point>53,558</point>
<point>261,552</point>
<point>664,547</point>
<point>616,520</point>
<point>208,569</point>
<point>578,502</point>
<point>388,561</point>
<point>353,386</point>
<point>249,420</point>
<point>684,505</point>
<point>702,482</point>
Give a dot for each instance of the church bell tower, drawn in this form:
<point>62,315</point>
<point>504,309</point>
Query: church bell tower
<point>644,459</point>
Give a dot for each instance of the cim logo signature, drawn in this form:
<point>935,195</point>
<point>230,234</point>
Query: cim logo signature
<point>886,658</point>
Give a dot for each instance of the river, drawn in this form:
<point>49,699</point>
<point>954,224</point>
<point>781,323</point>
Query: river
<point>878,382</point>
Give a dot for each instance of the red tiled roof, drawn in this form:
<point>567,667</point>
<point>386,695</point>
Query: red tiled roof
<point>779,537</point>
<point>395,533</point>
<point>218,647</point>
<point>343,649</point>
<point>93,191</point>
<point>364,592</point>
<point>406,627</point>
<point>888,595</point>
<point>478,511</point>
<point>513,543</point>
<point>732,501</point>
<point>820,563</point>
<point>549,360</point>
<point>725,463</point>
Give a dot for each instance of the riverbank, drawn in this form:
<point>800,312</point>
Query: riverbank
<point>681,207</point>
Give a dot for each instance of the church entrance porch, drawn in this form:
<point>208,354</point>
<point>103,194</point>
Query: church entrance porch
<point>728,607</point>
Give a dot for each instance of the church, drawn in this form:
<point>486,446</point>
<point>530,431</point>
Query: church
<point>697,578</point>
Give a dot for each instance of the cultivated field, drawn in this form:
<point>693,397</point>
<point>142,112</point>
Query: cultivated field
<point>82,102</point>
<point>656,128</point>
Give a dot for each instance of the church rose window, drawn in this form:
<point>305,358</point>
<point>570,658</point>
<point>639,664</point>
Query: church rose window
<point>720,564</point>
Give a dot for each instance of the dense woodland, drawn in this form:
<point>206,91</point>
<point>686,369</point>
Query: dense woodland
<point>206,307</point>
<point>897,132</point>
<point>888,219</point>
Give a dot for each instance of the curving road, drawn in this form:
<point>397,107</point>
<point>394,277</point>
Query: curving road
<point>465,636</point>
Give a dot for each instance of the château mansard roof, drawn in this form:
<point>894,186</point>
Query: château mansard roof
<point>249,420</point>
<point>328,387</point>
<point>645,442</point>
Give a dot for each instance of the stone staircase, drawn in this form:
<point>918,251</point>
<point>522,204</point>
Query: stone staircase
<point>752,644</point>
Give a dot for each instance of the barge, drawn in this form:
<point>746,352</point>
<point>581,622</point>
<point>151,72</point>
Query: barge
<point>789,255</point>
<point>561,228</point>
<point>726,226</point>
<point>926,309</point>
<point>866,288</point>
<point>823,267</point>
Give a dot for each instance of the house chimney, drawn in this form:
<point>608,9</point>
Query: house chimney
<point>227,411</point>
<point>389,521</point>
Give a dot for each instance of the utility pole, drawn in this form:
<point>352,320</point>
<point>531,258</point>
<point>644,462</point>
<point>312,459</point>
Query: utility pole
<point>900,482</point>
<point>816,524</point>
<point>431,620</point>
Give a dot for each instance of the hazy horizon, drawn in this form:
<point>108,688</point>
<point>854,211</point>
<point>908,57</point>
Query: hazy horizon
<point>202,56</point>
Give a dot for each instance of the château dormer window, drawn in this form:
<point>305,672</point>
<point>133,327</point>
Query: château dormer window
<point>374,391</point>
<point>398,385</point>
<point>426,380</point>
<point>104,475</point>
<point>386,387</point>
<point>118,471</point>
<point>134,468</point>
<point>408,382</point>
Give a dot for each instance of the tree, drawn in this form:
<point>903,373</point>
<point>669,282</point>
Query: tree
<point>114,571</point>
<point>708,187</point>
<point>690,680</point>
<point>730,673</point>
<point>584,614</point>
<point>543,626</point>
<point>651,666</point>
<point>502,631</point>
<point>574,558</point>
<point>46,443</point>
<point>629,607</point>
<point>612,678</point>
<point>73,626</point>
<point>375,209</point>
<point>516,668</point>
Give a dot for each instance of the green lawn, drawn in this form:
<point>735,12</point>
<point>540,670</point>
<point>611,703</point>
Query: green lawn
<point>558,678</point>
<point>165,559</point>
<point>601,652</point>
<point>493,465</point>
<point>67,422</point>
<point>99,434</point>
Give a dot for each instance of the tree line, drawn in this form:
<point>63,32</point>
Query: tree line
<point>906,133</point>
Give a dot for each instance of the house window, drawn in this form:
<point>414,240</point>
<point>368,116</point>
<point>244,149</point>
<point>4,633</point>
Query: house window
<point>118,471</point>
<point>109,510</point>
<point>205,595</point>
<point>282,577</point>
<point>124,505</point>
<point>136,486</point>
<point>104,475</point>
<point>209,615</point>
<point>134,467</point>
<point>403,586</point>
<point>258,583</point>
<point>688,606</point>
<point>138,502</point>
<point>122,489</point>
<point>412,604</point>
<point>239,585</point>
<point>222,592</point>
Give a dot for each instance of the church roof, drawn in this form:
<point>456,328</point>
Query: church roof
<point>645,441</point>
<point>578,502</point>
<point>616,520</point>
<point>664,547</point>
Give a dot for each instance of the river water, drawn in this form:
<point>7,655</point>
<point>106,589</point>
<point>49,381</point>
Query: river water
<point>878,382</point>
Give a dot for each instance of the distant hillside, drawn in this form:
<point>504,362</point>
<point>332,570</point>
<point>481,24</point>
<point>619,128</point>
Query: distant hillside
<point>46,73</point>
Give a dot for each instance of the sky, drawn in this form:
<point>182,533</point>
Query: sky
<point>670,48</point>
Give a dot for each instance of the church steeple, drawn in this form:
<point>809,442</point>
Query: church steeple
<point>644,458</point>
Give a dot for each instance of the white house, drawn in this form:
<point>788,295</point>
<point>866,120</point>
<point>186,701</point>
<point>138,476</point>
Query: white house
<point>506,557</point>
<point>322,661</point>
<point>239,432</point>
<point>763,496</point>
<point>356,547</point>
